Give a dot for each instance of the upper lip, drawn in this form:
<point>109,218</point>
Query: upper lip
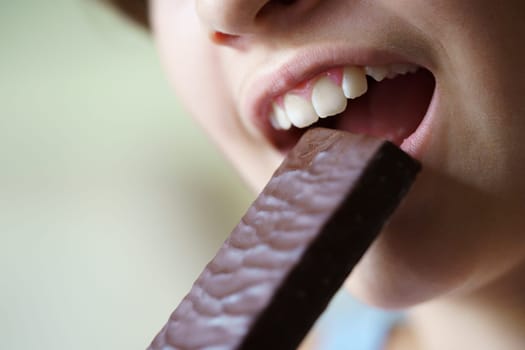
<point>305,65</point>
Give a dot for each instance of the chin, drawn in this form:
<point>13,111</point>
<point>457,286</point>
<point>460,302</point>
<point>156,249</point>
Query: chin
<point>391,283</point>
<point>442,242</point>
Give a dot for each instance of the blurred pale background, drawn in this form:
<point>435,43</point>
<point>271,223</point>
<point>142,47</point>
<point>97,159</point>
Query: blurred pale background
<point>111,200</point>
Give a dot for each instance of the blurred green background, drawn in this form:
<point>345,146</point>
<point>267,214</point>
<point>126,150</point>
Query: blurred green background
<point>111,199</point>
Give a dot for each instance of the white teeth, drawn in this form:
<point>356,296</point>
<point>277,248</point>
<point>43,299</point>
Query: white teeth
<point>378,73</point>
<point>328,98</point>
<point>300,111</point>
<point>413,69</point>
<point>354,82</point>
<point>401,69</point>
<point>279,118</point>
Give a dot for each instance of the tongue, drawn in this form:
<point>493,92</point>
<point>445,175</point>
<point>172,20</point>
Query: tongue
<point>392,109</point>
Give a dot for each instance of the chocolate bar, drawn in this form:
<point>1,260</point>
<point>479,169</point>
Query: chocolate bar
<point>294,247</point>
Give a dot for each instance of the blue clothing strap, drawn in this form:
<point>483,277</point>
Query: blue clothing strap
<point>350,325</point>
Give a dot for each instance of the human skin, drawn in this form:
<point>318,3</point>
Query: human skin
<point>459,237</point>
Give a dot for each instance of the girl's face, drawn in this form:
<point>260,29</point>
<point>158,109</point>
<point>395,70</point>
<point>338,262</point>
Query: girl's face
<point>462,114</point>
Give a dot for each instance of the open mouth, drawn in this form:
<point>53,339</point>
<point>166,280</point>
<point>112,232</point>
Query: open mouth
<point>388,102</point>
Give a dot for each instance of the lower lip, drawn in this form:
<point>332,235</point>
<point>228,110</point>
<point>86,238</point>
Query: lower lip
<point>414,144</point>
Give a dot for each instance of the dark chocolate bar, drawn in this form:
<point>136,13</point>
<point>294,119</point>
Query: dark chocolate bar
<point>295,246</point>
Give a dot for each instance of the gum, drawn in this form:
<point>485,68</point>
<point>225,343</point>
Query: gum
<point>305,88</point>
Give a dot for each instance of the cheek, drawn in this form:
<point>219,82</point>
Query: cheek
<point>199,72</point>
<point>189,60</point>
<point>204,87</point>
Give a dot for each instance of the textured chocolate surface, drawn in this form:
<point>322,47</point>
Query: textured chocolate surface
<point>295,246</point>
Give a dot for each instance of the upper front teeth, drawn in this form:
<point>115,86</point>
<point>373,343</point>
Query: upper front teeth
<point>328,98</point>
<point>279,118</point>
<point>354,82</point>
<point>378,73</point>
<point>300,111</point>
